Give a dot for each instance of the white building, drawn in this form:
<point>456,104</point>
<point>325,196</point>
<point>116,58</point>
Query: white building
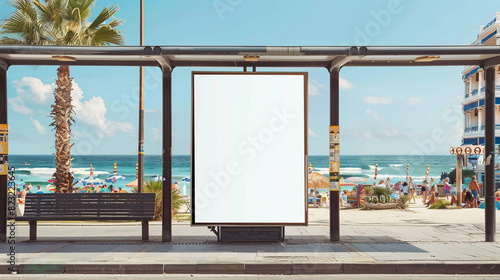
<point>474,84</point>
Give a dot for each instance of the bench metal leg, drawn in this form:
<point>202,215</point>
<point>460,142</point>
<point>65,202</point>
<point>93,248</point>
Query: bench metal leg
<point>145,230</point>
<point>32,230</point>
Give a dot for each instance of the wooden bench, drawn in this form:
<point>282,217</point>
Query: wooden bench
<point>89,207</point>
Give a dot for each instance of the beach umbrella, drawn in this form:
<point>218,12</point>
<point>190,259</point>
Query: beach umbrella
<point>136,171</point>
<point>114,178</point>
<point>50,188</point>
<point>315,181</point>
<point>133,184</point>
<point>91,181</point>
<point>115,169</point>
<point>356,179</point>
<point>186,179</point>
<point>375,177</point>
<point>91,170</point>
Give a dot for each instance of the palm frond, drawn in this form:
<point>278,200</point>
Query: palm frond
<point>104,15</point>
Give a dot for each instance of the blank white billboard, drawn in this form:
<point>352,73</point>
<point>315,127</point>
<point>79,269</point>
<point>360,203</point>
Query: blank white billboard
<point>249,149</point>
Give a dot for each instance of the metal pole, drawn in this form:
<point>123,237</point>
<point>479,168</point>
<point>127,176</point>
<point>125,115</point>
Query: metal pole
<point>140,178</point>
<point>489,153</point>
<point>334,121</point>
<point>166,231</point>
<point>3,178</point>
<point>459,180</point>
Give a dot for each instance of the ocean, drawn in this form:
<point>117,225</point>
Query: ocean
<point>38,169</point>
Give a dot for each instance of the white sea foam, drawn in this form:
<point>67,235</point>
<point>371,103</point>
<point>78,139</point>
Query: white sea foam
<point>395,165</point>
<point>41,171</point>
<point>350,170</point>
<point>372,167</point>
<point>323,171</point>
<point>345,170</point>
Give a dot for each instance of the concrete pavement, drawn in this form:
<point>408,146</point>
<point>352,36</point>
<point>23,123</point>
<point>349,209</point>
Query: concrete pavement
<point>400,246</point>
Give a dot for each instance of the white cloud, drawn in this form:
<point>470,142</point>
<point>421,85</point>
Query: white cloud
<point>392,132</point>
<point>368,136</point>
<point>345,84</point>
<point>39,127</point>
<point>155,134</point>
<point>315,87</point>
<point>371,113</point>
<point>377,100</point>
<point>312,133</point>
<point>17,104</point>
<point>413,101</point>
<point>33,89</point>
<point>93,112</point>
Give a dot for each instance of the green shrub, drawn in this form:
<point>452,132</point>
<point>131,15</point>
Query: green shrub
<point>440,204</point>
<point>403,202</point>
<point>156,188</point>
<point>378,191</point>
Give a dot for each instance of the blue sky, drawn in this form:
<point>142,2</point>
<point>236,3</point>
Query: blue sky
<point>383,110</point>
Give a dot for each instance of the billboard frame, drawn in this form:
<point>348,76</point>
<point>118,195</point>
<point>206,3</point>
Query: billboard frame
<point>193,153</point>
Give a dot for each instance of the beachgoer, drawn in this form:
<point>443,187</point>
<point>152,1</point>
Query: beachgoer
<point>388,182</point>
<point>474,187</point>
<point>447,188</point>
<point>432,197</point>
<point>405,188</point>
<point>470,200</point>
<point>122,191</point>
<point>411,186</point>
<point>343,198</point>
<point>311,193</point>
<point>22,196</point>
<point>175,186</point>
<point>30,188</point>
<point>39,189</point>
<point>424,191</point>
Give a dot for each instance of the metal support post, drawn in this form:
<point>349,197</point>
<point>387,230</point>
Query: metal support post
<point>334,194</point>
<point>166,224</point>
<point>489,154</point>
<point>3,178</point>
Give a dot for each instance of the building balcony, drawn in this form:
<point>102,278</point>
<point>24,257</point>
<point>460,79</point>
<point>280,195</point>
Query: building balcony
<point>479,131</point>
<point>478,94</point>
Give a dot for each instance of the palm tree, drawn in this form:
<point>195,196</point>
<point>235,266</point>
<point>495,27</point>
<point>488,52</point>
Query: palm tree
<point>60,22</point>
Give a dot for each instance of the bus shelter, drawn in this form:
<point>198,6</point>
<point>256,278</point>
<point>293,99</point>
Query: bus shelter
<point>332,58</point>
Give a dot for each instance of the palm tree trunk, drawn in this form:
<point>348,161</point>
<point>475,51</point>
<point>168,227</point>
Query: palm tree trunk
<point>61,113</point>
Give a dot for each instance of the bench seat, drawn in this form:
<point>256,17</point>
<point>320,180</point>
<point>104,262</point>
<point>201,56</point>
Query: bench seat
<point>89,207</point>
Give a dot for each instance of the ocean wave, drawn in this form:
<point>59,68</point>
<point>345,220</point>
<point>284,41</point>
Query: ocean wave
<point>385,176</point>
<point>350,170</point>
<point>324,171</point>
<point>344,170</point>
<point>396,165</point>
<point>50,171</point>
<point>372,167</point>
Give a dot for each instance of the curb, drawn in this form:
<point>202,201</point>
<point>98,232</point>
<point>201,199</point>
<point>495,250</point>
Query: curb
<point>281,268</point>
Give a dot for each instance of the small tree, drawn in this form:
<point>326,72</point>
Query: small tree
<point>60,22</point>
<point>465,173</point>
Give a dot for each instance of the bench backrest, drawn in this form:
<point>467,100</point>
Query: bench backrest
<point>91,205</point>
